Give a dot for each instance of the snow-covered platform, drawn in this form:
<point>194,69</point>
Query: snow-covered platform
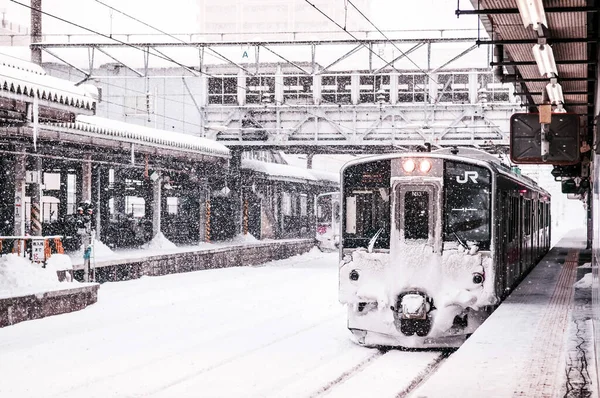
<point>153,261</point>
<point>532,344</point>
<point>28,307</point>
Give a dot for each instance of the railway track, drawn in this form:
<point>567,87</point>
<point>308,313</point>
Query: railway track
<point>389,373</point>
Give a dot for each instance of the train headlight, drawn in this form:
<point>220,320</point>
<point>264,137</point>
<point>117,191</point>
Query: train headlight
<point>409,165</point>
<point>478,278</point>
<point>354,275</point>
<point>425,166</point>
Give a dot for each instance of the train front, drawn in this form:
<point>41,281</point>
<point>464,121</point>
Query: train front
<point>416,267</point>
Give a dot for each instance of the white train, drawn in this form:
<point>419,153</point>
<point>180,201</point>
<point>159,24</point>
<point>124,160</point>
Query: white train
<point>432,242</point>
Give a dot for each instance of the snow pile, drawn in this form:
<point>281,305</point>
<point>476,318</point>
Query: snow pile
<point>247,238</point>
<point>585,282</point>
<point>59,262</point>
<point>160,242</point>
<point>586,265</point>
<point>99,250</point>
<point>449,278</point>
<point>18,277</point>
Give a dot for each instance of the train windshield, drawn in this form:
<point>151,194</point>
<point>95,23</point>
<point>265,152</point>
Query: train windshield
<point>366,205</point>
<point>467,204</point>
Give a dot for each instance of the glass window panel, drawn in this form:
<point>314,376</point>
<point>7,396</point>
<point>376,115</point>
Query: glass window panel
<point>416,215</point>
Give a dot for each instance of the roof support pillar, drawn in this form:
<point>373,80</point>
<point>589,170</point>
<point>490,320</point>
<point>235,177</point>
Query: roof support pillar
<point>156,202</point>
<point>86,178</point>
<point>204,213</point>
<point>36,30</point>
<point>19,175</point>
<point>235,186</point>
<point>63,192</point>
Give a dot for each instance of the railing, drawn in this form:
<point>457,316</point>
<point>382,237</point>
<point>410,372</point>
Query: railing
<point>36,248</point>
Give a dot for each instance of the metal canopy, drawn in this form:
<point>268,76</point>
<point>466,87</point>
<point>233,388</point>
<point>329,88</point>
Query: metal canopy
<point>573,35</point>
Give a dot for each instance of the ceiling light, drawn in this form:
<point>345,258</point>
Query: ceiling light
<point>544,58</point>
<point>560,109</point>
<point>532,13</point>
<point>555,93</point>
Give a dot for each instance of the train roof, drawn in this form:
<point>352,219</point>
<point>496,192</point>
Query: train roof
<point>469,155</point>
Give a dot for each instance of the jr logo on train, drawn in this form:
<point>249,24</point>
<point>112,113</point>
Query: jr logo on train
<point>432,242</point>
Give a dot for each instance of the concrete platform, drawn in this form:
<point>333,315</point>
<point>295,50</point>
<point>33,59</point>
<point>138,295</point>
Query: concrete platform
<point>190,259</point>
<point>538,343</point>
<point>35,306</point>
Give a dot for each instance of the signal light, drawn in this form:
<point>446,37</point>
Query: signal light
<point>409,166</point>
<point>425,166</point>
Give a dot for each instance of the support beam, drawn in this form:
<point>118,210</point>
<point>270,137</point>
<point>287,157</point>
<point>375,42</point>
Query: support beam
<point>86,178</point>
<point>558,62</point>
<point>36,31</point>
<point>156,204</point>
<point>311,219</point>
<point>64,193</point>
<point>204,211</point>
<point>235,186</point>
<point>399,57</point>
<point>120,62</point>
<point>19,212</point>
<point>500,11</point>
<point>534,41</point>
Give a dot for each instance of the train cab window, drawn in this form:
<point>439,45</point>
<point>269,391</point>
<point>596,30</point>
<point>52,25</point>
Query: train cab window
<point>467,203</point>
<point>366,205</point>
<point>416,215</point>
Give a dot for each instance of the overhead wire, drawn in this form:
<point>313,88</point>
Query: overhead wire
<point>361,42</point>
<point>389,40</point>
<point>167,58</point>
<point>216,53</point>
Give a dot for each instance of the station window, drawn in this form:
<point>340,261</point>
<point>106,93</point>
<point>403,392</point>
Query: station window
<point>222,90</point>
<point>453,88</point>
<point>336,89</point>
<point>298,89</point>
<point>492,89</point>
<point>369,86</point>
<point>412,88</point>
<point>260,89</point>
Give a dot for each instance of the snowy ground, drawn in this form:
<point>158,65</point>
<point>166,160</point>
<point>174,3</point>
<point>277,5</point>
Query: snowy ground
<point>270,331</point>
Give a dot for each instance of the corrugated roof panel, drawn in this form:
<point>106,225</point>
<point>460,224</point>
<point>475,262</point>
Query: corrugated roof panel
<point>572,71</point>
<point>569,51</point>
<point>567,24</point>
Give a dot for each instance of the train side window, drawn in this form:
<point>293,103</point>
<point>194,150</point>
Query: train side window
<point>525,218</point>
<point>416,215</point>
<point>351,215</point>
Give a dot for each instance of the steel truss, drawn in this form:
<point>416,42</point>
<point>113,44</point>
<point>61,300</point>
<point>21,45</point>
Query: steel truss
<point>339,129</point>
<point>155,50</point>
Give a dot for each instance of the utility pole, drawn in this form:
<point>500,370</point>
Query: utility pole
<point>36,191</point>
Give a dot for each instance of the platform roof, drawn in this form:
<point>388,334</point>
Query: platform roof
<point>572,34</point>
<point>25,80</point>
<point>95,126</point>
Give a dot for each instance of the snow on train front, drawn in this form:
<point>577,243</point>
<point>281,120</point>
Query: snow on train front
<point>416,265</point>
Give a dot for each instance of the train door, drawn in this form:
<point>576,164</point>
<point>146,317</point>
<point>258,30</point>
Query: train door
<point>501,250</point>
<point>526,238</point>
<point>416,208</point>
